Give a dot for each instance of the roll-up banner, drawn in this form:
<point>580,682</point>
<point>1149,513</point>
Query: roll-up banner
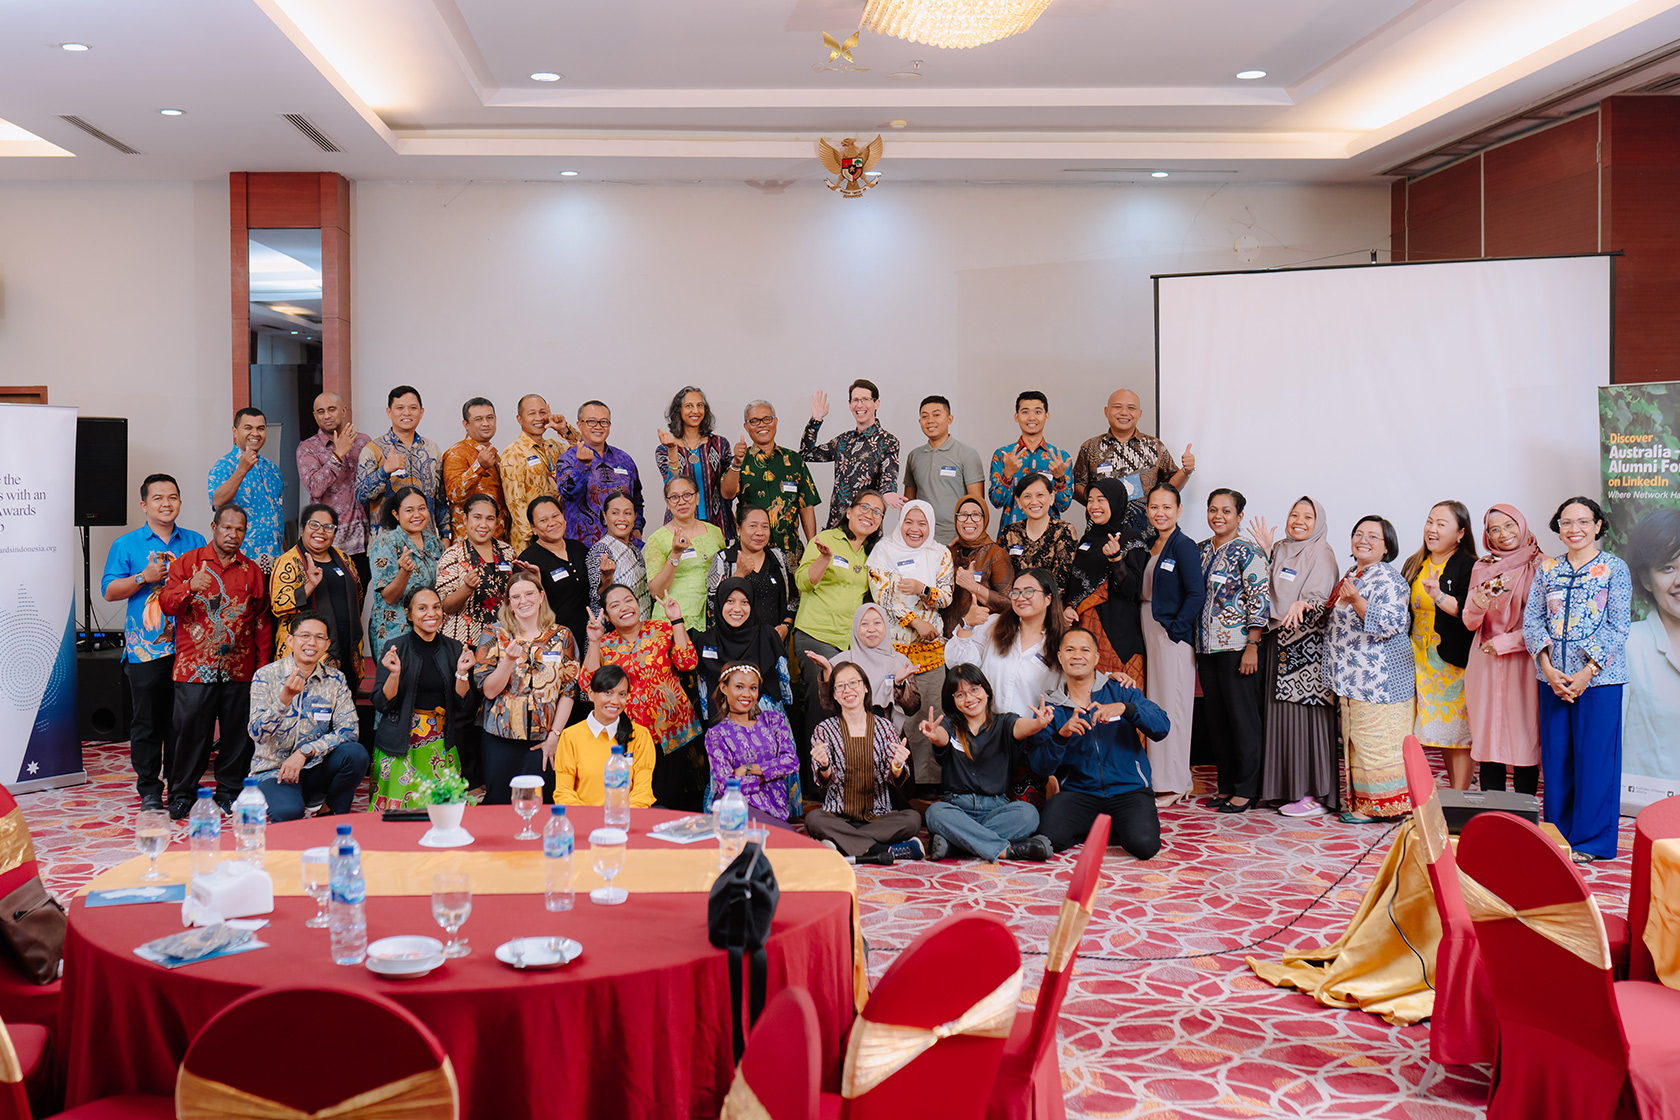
<point>1639,428</point>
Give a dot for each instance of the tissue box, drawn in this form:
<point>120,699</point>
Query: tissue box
<point>236,890</point>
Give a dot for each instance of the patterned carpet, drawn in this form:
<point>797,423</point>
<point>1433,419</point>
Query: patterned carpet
<point>1163,1020</point>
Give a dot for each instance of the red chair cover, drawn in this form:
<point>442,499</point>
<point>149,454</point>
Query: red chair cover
<point>948,971</point>
<point>21,999</point>
<point>1029,1081</point>
<point>1463,1029</point>
<point>382,1043</point>
<point>783,1063</point>
<point>1564,1048</point>
<point>1657,821</point>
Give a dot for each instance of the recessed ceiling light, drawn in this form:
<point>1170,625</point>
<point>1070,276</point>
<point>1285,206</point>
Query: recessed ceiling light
<point>1157,174</point>
<point>568,174</point>
<point>545,76</point>
<point>898,124</point>
<point>173,112</point>
<point>72,46</point>
<point>1250,75</point>
<point>294,332</point>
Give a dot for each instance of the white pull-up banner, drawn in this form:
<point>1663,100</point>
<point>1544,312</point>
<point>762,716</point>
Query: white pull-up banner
<point>38,733</point>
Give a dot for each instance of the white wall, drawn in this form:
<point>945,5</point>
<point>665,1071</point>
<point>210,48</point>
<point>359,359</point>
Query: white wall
<point>115,295</point>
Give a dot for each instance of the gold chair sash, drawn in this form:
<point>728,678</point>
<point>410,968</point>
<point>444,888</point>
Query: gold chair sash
<point>1575,926</point>
<point>16,848</point>
<point>11,1070</point>
<point>876,1051</point>
<point>1432,825</point>
<point>1064,939</point>
<point>428,1095</point>
<point>741,1103</point>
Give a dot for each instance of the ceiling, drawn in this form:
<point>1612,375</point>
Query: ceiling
<point>686,90</point>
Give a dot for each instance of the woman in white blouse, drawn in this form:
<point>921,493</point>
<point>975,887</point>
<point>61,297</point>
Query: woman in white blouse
<point>910,575</point>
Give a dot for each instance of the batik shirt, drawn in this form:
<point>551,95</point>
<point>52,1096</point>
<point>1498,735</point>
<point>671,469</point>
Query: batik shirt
<point>705,466</point>
<point>424,472</point>
<point>1140,462</point>
<point>545,674</point>
<point>1371,660</point>
<point>484,602</point>
<point>1043,459</point>
<point>585,487</point>
<point>462,478</point>
<point>1239,595</point>
<point>1580,613</point>
<point>261,494</point>
<point>866,460</point>
<point>148,633</point>
<point>528,473</point>
<point>223,634</point>
<point>780,483</point>
<point>318,719</point>
<point>332,482</point>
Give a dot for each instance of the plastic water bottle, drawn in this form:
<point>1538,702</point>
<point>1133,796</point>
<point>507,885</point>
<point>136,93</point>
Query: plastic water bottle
<point>617,782</point>
<point>346,913</point>
<point>729,821</point>
<point>250,824</point>
<point>557,861</point>
<point>204,833</point>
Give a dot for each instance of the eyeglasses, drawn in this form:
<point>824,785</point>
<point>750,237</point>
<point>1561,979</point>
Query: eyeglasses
<point>319,526</point>
<point>1024,592</point>
<point>596,423</point>
<point>971,517</point>
<point>871,511</point>
<point>1367,538</point>
<point>848,686</point>
<point>761,422</point>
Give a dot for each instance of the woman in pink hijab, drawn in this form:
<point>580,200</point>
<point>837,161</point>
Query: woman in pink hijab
<point>1499,683</point>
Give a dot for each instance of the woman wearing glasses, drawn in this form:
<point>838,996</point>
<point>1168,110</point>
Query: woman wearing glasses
<point>856,757</point>
<point>316,576</point>
<point>833,579</point>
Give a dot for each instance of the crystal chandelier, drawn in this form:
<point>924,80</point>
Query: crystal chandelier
<point>951,23</point>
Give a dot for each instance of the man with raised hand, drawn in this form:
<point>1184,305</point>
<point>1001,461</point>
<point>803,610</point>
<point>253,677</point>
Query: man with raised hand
<point>304,726</point>
<point>402,457</point>
<point>244,478</point>
<point>864,459</point>
<point>528,463</point>
<point>589,473</point>
<point>473,467</point>
<point>1137,459</point>
<point>326,463</point>
<point>776,480</point>
<point>1029,455</point>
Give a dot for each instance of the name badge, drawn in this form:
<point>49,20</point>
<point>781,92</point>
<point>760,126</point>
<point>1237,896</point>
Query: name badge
<point>689,554</point>
<point>621,470</point>
<point>790,487</point>
<point>1554,597</point>
<point>947,472</point>
<point>1084,546</point>
<point>338,571</point>
<point>1016,550</point>
<point>533,460</point>
<point>559,574</point>
<point>709,651</point>
<point>320,713</point>
<point>907,562</point>
<point>888,680</point>
<point>842,562</point>
<point>1217,577</point>
<point>1287,573</point>
<point>503,566</point>
<point>1105,468</point>
<point>399,471</point>
<point>553,657</point>
<point>1168,565</point>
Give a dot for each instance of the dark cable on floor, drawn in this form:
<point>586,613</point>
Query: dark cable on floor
<point>1395,893</point>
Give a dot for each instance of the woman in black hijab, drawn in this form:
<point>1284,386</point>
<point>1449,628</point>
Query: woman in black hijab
<point>736,634</point>
<point>1106,578</point>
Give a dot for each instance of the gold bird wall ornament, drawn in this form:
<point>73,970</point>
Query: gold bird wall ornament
<point>850,164</point>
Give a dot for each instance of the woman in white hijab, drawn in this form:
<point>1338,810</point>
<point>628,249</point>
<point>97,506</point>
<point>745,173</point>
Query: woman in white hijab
<point>911,577</point>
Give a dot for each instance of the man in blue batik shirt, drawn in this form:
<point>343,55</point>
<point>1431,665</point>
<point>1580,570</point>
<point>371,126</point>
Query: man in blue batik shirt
<point>244,478</point>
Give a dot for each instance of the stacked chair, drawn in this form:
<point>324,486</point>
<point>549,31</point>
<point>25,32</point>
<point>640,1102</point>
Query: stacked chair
<point>1659,821</point>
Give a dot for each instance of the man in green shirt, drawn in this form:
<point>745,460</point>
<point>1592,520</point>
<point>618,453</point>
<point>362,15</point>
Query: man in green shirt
<point>776,479</point>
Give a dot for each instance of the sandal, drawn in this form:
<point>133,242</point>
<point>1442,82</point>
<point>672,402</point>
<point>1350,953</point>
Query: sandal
<point>1349,817</point>
<point>1582,857</point>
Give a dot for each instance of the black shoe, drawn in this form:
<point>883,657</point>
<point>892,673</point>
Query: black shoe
<point>179,812</point>
<point>1036,848</point>
<point>1217,803</point>
<point>938,847</point>
<point>152,802</point>
<point>1230,807</point>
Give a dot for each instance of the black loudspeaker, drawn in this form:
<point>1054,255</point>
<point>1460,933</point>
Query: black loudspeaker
<point>1460,805</point>
<point>101,470</point>
<point>103,704</point>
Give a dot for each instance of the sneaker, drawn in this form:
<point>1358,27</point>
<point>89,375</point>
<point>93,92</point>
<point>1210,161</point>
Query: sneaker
<point>153,802</point>
<point>1037,848</point>
<point>1306,807</point>
<point>938,847</point>
<point>906,849</point>
<point>831,845</point>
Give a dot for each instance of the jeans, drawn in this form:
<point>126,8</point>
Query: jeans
<point>333,781</point>
<point>1068,817</point>
<point>506,759</point>
<point>151,739</point>
<point>980,823</point>
<point>200,711</point>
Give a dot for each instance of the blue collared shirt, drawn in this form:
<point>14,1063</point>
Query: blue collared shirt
<point>148,633</point>
<point>261,494</point>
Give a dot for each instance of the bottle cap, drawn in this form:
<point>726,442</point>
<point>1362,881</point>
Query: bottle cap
<point>346,850</point>
<point>732,783</point>
<point>618,748</point>
<point>344,830</point>
<point>252,783</point>
<point>204,793</point>
<point>557,811</point>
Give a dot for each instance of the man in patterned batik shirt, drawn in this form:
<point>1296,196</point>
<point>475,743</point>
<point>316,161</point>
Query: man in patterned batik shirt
<point>218,598</point>
<point>134,572</point>
<point>1123,452</point>
<point>777,481</point>
<point>591,472</point>
<point>1029,455</point>
<point>326,464</point>
<point>529,462</point>
<point>864,459</point>
<point>473,466</point>
<point>402,457</point>
<point>303,722</point>
<point>255,484</point>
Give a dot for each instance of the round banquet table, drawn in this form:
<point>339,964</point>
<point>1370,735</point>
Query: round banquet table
<point>637,1026</point>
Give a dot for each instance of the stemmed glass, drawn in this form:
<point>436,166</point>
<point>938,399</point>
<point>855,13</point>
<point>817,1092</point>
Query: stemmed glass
<point>151,837</point>
<point>451,906</point>
<point>527,799</point>
<point>317,884</point>
<point>607,846</point>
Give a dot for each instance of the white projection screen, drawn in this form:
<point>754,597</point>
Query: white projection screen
<point>1387,388</point>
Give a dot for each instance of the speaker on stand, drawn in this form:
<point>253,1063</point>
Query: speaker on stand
<point>102,694</point>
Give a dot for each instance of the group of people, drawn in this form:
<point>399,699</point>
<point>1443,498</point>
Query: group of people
<point>525,620</point>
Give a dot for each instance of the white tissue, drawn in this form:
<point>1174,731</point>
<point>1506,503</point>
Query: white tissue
<point>236,889</point>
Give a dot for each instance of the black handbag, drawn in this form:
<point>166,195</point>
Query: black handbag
<point>738,916</point>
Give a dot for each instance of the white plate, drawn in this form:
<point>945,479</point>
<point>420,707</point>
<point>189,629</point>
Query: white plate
<point>446,838</point>
<point>540,952</point>
<point>393,956</point>
<point>378,968</point>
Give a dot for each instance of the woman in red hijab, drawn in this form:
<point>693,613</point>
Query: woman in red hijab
<point>1499,683</point>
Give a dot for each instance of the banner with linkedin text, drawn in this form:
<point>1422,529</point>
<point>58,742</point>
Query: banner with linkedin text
<point>38,732</point>
<point>1639,427</point>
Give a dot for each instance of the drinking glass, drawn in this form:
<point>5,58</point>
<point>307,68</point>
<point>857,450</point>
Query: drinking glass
<point>607,846</point>
<point>317,885</point>
<point>151,837</point>
<point>451,906</point>
<point>527,799</point>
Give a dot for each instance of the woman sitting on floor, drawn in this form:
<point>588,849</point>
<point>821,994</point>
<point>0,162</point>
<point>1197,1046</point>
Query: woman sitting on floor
<point>857,757</point>
<point>751,743</point>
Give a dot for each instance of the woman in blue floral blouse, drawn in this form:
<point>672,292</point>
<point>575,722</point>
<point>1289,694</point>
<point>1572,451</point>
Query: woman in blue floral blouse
<point>1576,625</point>
<point>1234,617</point>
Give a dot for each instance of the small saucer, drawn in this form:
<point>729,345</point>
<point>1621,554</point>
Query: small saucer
<point>446,838</point>
<point>539,953</point>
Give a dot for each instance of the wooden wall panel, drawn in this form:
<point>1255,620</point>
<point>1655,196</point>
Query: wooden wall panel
<point>1397,220</point>
<point>283,200</point>
<point>1540,193</point>
<point>1642,220</point>
<point>239,275</point>
<point>1444,214</point>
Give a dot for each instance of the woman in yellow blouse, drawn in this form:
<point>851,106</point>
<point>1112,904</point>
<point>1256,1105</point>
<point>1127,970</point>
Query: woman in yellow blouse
<point>580,760</point>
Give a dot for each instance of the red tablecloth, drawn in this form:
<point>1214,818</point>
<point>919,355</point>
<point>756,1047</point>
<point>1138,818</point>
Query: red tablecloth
<point>638,1026</point>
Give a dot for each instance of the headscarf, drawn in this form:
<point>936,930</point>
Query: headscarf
<point>1093,568</point>
<point>964,552</point>
<point>879,663</point>
<point>751,641</point>
<point>1517,565</point>
<point>896,555</point>
<point>1312,561</point>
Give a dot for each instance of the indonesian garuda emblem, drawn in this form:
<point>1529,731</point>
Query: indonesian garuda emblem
<point>850,163</point>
